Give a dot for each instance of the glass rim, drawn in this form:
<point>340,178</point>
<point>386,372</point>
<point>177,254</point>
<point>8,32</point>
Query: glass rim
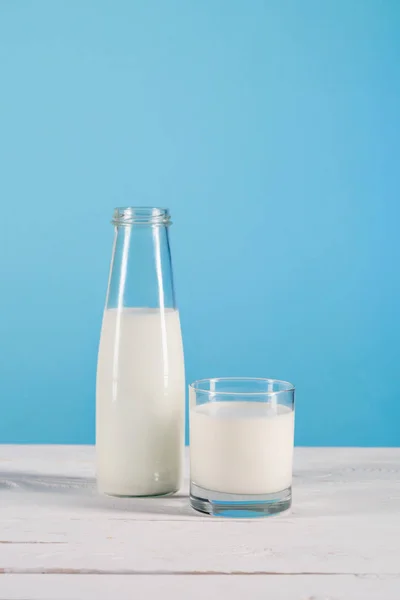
<point>140,215</point>
<point>197,388</point>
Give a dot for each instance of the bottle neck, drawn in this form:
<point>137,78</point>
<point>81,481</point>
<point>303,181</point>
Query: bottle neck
<point>141,267</point>
<point>131,215</point>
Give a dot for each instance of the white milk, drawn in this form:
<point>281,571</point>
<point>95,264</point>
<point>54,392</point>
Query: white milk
<point>241,447</point>
<point>140,402</point>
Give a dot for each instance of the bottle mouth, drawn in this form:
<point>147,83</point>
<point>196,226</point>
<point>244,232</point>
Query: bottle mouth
<point>140,215</point>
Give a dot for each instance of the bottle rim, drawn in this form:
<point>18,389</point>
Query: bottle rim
<point>140,215</point>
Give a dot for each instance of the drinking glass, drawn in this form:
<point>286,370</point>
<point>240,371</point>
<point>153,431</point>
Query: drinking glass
<point>241,446</point>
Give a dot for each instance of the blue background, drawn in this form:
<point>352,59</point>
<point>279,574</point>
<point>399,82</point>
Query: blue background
<point>271,130</point>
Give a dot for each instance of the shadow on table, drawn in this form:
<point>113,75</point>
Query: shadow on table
<point>81,493</point>
<point>324,493</point>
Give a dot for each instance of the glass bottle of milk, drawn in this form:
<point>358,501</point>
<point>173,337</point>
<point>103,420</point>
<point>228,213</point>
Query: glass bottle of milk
<point>140,396</point>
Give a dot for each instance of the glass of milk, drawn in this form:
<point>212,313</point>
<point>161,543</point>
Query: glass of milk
<point>241,446</point>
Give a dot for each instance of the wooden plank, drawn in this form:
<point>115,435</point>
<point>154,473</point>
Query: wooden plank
<point>345,520</point>
<point>61,480</point>
<point>124,587</point>
<point>328,545</point>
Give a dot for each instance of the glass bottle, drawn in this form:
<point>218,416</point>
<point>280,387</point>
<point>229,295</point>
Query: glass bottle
<point>140,392</point>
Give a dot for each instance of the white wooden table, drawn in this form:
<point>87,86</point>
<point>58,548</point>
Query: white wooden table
<point>59,540</point>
